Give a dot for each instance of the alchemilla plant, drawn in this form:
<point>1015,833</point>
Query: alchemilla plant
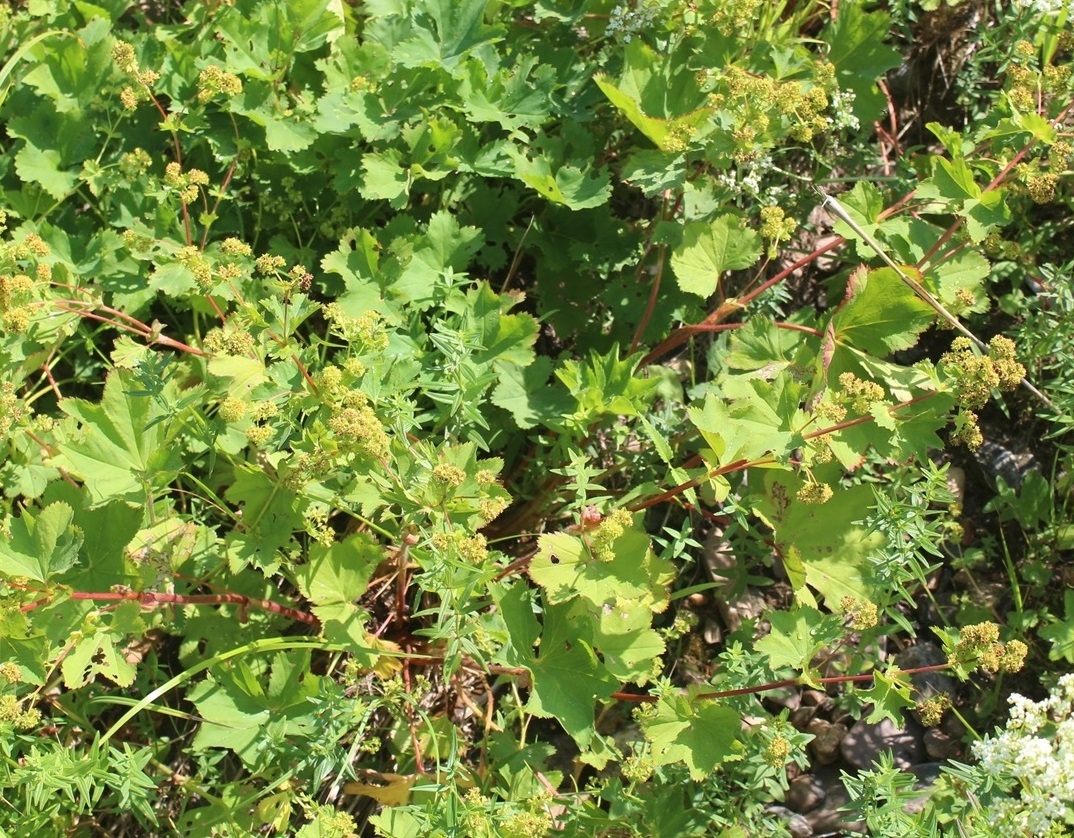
<point>375,380</point>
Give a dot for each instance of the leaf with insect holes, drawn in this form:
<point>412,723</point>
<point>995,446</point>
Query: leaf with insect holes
<point>566,568</point>
<point>101,651</point>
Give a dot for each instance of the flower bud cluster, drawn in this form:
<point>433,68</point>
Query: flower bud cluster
<point>776,227</point>
<point>356,427</point>
<point>975,377</point>
<point>187,183</point>
<point>931,710</point>
<point>11,711</point>
<point>862,615</point>
<point>607,532</point>
<point>125,59</point>
<point>813,493</point>
<point>213,81</point>
<point>978,646</point>
<point>18,289</point>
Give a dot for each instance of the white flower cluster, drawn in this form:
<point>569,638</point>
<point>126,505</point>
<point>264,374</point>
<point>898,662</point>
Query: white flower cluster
<point>1036,749</point>
<point>624,22</point>
<point>843,110</point>
<point>1047,7</point>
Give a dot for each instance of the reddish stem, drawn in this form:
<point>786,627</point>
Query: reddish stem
<point>778,685</point>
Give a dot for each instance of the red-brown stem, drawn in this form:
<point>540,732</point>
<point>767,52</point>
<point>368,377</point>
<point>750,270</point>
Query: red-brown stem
<point>741,465</point>
<point>654,293</point>
<point>683,334</point>
<point>778,685</point>
<point>152,599</point>
<point>134,326</point>
<point>737,465</point>
<point>996,181</point>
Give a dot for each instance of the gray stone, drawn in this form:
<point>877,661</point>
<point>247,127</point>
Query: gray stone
<point>827,739</point>
<point>940,745</point>
<point>865,740</point>
<point>797,826</point>
<point>805,794</point>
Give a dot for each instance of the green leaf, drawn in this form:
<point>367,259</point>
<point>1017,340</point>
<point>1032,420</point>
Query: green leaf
<point>44,166</point>
<point>834,550</point>
<point>666,134</point>
<point>746,425</point>
<point>245,373</point>
<point>525,393</point>
<point>447,31</point>
<point>103,651</point>
<point>861,56</point>
<point>569,185</point>
<point>881,314</point>
<point>568,679</point>
<point>333,579</point>
<point>384,178</point>
<point>339,572</point>
<point>710,248</point>
<point>565,568</point>
<point>42,545</point>
<point>797,635</point>
<point>120,448</point>
<point>268,515</point>
<point>1060,633</point>
<point>237,707</point>
<point>889,695</point>
<point>694,731</point>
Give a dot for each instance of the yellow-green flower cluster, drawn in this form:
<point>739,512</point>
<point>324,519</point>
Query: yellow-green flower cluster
<point>777,751</point>
<point>978,645</point>
<point>11,712</point>
<point>491,508</point>
<point>125,59</point>
<point>357,428</point>
<point>188,183</point>
<point>269,264</point>
<point>15,295</point>
<point>863,615</point>
<point>732,17</point>
<point>637,768</point>
<point>776,227</point>
<point>977,375</point>
<point>448,475</point>
<point>366,332</point>
<point>606,533</point>
<point>317,526</point>
<point>12,410</point>
<point>228,341</point>
<point>232,409</point>
<point>814,493</point>
<point>194,261</point>
<point>133,164</point>
<point>858,393</point>
<point>932,709</point>
<point>212,81</point>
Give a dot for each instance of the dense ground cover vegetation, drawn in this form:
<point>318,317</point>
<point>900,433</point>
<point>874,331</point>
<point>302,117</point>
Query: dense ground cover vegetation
<point>401,399</point>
